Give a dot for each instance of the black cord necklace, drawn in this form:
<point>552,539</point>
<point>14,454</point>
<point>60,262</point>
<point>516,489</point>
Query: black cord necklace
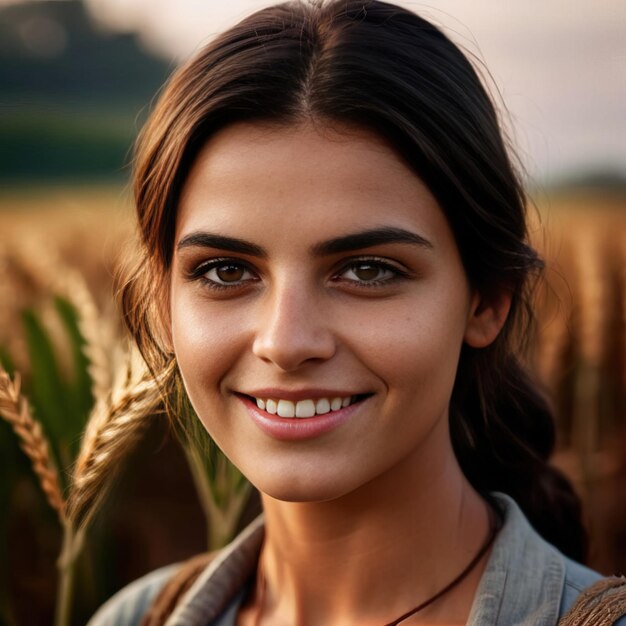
<point>494,527</point>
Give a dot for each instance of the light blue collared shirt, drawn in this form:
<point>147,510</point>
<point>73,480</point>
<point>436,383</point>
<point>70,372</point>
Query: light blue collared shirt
<point>527,582</point>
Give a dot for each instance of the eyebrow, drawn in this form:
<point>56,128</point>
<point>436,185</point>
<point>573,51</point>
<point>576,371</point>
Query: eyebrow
<point>210,240</point>
<point>368,239</point>
<point>344,243</point>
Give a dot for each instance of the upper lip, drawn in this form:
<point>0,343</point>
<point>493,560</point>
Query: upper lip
<point>299,394</point>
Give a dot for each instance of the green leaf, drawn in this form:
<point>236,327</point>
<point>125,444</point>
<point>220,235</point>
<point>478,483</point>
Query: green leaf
<point>49,394</point>
<point>80,397</point>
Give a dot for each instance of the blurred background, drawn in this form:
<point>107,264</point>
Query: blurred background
<point>77,79</point>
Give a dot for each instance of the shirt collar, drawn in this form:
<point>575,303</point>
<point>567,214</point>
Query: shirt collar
<point>522,582</point>
<point>218,584</point>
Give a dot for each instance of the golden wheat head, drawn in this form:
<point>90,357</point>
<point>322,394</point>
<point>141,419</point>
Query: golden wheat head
<point>115,425</point>
<point>93,327</point>
<point>14,408</point>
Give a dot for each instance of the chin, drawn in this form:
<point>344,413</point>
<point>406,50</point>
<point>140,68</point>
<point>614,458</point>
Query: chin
<point>301,489</point>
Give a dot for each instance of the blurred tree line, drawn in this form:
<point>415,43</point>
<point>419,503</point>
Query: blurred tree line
<point>72,95</point>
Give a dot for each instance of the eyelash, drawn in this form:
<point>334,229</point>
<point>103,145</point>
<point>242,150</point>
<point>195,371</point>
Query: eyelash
<point>199,273</point>
<point>375,262</point>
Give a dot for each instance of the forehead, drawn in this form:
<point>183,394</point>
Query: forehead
<point>305,180</point>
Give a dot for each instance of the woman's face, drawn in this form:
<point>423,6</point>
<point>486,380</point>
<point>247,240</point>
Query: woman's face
<point>315,274</point>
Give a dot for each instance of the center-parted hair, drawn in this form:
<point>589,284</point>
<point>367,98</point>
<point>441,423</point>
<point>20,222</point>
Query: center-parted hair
<point>381,67</point>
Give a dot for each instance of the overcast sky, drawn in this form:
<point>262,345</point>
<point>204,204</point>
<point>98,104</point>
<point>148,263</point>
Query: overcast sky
<point>560,65</point>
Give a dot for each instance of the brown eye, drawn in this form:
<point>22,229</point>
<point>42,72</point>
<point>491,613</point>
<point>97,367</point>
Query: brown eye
<point>366,271</point>
<point>370,272</point>
<point>230,273</point>
<point>222,273</point>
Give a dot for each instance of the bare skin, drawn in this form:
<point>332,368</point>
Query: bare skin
<point>370,517</point>
<point>368,564</point>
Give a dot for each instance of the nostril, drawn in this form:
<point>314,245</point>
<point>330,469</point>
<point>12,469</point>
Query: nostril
<point>291,351</point>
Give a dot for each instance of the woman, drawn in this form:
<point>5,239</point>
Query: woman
<point>336,256</point>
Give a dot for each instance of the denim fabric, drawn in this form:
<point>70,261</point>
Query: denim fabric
<point>527,582</point>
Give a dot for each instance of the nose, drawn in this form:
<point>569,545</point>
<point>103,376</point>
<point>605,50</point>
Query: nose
<point>293,329</point>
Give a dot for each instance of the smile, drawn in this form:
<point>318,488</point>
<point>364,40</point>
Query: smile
<point>303,408</point>
<point>282,418</point>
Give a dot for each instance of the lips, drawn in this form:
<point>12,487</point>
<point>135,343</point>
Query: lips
<point>308,407</point>
<point>303,415</point>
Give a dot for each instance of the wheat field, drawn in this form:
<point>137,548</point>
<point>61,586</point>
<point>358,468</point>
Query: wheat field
<point>580,356</point>
<point>50,234</point>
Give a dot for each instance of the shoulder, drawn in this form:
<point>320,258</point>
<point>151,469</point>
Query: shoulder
<point>195,592</point>
<point>529,581</point>
<point>129,605</point>
<point>150,599</point>
<point>585,589</point>
<point>577,579</point>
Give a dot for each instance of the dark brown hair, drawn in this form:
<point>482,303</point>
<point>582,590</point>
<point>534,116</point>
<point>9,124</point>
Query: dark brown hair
<point>386,69</point>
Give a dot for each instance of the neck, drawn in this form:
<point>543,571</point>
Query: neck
<point>387,547</point>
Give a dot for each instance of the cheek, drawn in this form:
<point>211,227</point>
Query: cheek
<point>415,355</point>
<point>413,347</point>
<point>205,344</point>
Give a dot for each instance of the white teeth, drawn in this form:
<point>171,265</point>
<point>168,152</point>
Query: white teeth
<point>286,408</point>
<point>322,406</point>
<point>305,408</point>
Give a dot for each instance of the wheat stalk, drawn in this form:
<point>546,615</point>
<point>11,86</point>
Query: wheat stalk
<point>115,425</point>
<point>590,288</point>
<point>15,409</point>
<point>6,287</point>
<point>92,327</point>
<point>620,254</point>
